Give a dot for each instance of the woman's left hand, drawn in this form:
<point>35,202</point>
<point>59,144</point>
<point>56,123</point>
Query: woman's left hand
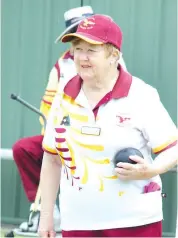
<point>141,170</point>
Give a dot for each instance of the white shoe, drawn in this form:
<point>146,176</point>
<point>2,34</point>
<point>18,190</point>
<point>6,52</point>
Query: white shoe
<point>32,225</point>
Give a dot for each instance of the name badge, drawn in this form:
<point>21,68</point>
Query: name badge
<point>87,130</point>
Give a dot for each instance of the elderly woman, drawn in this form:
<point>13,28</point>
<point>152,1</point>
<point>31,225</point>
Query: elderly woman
<point>95,114</point>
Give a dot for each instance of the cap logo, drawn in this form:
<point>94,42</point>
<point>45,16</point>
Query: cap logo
<point>88,23</point>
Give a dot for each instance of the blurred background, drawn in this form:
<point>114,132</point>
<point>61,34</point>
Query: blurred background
<point>29,28</point>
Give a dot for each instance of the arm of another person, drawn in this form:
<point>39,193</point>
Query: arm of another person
<point>50,93</point>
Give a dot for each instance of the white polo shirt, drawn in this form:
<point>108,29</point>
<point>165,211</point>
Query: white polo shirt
<point>92,197</point>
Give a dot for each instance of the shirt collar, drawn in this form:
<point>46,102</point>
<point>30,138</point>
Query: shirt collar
<point>122,85</point>
<point>120,89</point>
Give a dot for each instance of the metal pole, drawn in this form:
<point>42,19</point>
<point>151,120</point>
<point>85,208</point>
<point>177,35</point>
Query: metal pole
<point>28,105</point>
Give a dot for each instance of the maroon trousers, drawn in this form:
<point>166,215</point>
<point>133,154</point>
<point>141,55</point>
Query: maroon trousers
<point>150,230</point>
<point>28,155</point>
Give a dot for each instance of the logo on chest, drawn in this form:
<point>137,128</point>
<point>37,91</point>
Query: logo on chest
<point>123,119</point>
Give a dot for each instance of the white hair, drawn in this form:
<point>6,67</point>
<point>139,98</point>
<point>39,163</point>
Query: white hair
<point>122,62</point>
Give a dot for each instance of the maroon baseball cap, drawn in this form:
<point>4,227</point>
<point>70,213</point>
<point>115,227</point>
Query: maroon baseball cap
<point>97,29</point>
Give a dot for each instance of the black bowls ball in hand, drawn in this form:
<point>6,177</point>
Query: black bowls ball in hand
<point>123,155</point>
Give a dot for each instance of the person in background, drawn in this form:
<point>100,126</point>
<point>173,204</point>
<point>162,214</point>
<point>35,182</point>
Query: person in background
<point>28,152</point>
<point>95,114</point>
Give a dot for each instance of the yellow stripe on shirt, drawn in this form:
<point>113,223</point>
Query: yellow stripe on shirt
<point>99,161</point>
<point>49,150</point>
<point>163,146</point>
<point>84,179</point>
<point>75,130</point>
<point>111,177</point>
<point>48,99</point>
<point>70,100</point>
<point>78,117</point>
<point>101,188</point>
<point>87,146</point>
<point>50,93</point>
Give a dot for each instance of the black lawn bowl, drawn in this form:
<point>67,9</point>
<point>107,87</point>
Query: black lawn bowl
<point>123,155</point>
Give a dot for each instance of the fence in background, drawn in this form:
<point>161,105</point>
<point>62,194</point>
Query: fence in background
<point>29,29</point>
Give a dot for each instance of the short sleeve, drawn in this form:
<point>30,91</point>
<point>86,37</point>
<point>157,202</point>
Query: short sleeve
<point>158,127</point>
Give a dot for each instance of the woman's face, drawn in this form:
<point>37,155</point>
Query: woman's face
<point>91,60</point>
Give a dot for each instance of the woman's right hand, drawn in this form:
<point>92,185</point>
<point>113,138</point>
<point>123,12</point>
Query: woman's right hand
<point>46,227</point>
<point>49,186</point>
